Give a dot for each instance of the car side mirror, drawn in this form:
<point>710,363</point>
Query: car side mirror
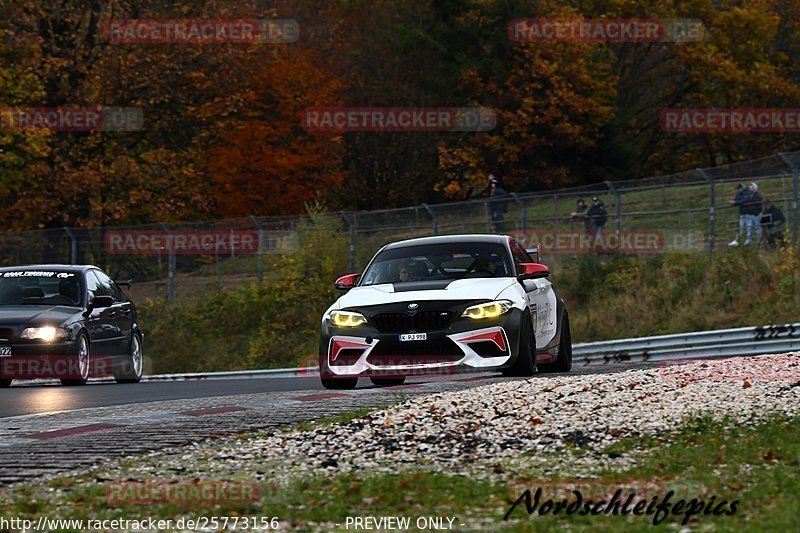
<point>533,271</point>
<point>345,283</point>
<point>99,302</point>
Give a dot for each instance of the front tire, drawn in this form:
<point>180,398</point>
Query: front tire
<point>82,361</point>
<point>130,371</point>
<point>5,383</point>
<point>564,360</point>
<point>333,382</point>
<point>525,365</point>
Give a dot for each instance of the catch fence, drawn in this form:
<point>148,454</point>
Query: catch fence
<point>688,211</point>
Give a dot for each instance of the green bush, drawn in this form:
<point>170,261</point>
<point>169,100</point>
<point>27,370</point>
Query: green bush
<point>268,325</point>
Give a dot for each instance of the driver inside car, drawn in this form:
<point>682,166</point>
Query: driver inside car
<point>71,289</point>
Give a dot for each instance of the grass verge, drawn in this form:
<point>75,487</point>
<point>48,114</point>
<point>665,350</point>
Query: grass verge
<point>713,461</point>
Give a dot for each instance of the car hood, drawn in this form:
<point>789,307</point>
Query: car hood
<point>35,315</point>
<point>463,289</point>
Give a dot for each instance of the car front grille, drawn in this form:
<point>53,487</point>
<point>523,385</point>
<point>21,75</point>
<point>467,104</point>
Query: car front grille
<point>403,322</point>
<point>5,333</point>
<point>389,352</point>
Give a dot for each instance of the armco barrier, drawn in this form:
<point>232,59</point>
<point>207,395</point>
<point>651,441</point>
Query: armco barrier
<point>736,342</point>
<point>753,340</point>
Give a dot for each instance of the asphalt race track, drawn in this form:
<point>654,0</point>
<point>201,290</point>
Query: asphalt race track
<point>27,400</point>
<point>50,429</point>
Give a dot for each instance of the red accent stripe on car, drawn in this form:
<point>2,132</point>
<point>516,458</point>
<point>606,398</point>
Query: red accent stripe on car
<point>338,346</point>
<point>494,336</point>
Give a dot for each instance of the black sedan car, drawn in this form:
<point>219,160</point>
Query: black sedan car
<point>69,322</point>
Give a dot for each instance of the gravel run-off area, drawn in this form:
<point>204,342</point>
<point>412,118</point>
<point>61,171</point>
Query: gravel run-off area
<point>472,432</point>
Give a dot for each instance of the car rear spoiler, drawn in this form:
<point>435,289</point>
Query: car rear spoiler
<point>127,282</point>
<point>536,252</point>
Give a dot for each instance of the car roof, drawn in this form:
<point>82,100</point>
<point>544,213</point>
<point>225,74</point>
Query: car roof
<point>49,266</point>
<point>444,239</point>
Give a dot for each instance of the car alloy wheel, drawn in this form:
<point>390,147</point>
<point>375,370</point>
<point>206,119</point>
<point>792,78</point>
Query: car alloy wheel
<point>82,358</point>
<point>131,368</point>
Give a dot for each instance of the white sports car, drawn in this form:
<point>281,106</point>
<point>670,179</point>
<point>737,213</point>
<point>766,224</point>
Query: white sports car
<point>439,304</point>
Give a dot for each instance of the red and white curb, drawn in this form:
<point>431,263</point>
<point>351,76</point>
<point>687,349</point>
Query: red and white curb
<point>122,422</point>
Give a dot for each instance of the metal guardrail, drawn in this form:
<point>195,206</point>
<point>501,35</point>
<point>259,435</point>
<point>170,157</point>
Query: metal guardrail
<point>736,342</point>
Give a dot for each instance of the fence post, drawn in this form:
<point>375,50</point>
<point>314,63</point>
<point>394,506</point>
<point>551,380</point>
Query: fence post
<point>433,218</point>
<point>523,211</point>
<point>712,223</point>
<point>73,246</point>
<point>351,231</point>
<point>260,247</point>
<point>793,215</point>
<point>170,266</point>
<point>618,202</point>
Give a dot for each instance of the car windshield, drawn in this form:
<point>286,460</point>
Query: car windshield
<point>447,261</point>
<point>37,287</point>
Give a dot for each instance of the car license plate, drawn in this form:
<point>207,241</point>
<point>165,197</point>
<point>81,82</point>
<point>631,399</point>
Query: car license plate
<point>5,351</point>
<point>414,337</point>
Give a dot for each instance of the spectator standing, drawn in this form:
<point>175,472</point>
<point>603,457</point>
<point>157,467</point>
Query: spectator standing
<point>773,221</point>
<point>598,215</point>
<point>582,213</point>
<point>752,210</point>
<point>738,201</point>
<point>498,205</point>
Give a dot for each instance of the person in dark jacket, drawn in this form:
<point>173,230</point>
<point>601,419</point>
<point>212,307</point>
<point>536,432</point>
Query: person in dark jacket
<point>738,201</point>
<point>498,205</point>
<point>752,211</point>
<point>773,221</point>
<point>581,214</point>
<point>598,215</point>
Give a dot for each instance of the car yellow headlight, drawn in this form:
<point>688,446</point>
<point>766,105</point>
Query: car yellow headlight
<point>46,333</point>
<point>347,319</point>
<point>487,310</point>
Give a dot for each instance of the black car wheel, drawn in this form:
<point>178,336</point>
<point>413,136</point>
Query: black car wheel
<point>388,382</point>
<point>130,369</point>
<point>525,365</point>
<point>5,383</point>
<point>332,381</point>
<point>564,360</point>
<point>81,361</point>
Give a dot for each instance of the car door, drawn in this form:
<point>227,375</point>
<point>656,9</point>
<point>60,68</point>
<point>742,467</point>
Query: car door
<point>119,314</point>
<point>103,332</point>
<point>122,315</point>
<point>541,298</point>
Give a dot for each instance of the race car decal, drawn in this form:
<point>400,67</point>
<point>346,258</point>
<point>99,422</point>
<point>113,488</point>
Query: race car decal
<point>36,274</point>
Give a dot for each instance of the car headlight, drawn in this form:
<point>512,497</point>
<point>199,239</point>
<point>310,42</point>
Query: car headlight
<point>347,319</point>
<point>46,333</point>
<point>487,310</point>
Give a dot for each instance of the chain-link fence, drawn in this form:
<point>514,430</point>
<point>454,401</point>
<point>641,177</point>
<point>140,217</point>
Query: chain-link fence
<point>691,210</point>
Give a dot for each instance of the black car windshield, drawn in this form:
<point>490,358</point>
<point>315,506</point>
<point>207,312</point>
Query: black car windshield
<point>446,261</point>
<point>40,287</point>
